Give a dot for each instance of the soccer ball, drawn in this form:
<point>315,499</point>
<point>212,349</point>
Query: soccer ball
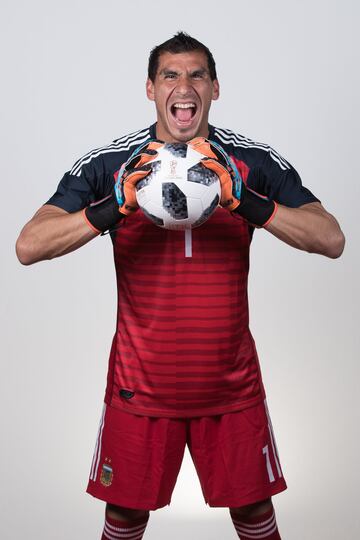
<point>179,193</point>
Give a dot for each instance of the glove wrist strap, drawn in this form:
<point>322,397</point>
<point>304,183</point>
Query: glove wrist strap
<point>255,208</point>
<point>104,214</point>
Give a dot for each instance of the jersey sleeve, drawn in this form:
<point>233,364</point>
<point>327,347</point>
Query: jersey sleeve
<point>279,181</point>
<point>76,192</point>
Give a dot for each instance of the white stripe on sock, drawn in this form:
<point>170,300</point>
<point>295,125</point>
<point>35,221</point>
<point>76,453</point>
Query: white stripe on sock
<point>258,536</point>
<point>255,525</point>
<point>134,533</point>
<point>111,537</point>
<point>115,530</point>
<point>248,529</point>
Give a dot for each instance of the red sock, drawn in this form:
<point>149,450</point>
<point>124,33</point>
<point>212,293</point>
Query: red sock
<point>257,528</point>
<point>129,530</point>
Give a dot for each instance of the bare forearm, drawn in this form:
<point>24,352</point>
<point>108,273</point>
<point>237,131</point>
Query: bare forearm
<point>52,232</point>
<point>309,228</point>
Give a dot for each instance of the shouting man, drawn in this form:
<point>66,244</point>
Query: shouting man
<point>183,368</point>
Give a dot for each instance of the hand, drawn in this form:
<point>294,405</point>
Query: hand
<point>236,197</point>
<point>136,168</point>
<point>103,215</point>
<point>218,161</point>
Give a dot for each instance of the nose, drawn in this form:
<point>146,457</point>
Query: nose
<point>183,88</point>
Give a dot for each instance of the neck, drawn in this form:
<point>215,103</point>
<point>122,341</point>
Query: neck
<point>164,135</point>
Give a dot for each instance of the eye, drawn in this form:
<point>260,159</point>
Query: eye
<point>170,76</point>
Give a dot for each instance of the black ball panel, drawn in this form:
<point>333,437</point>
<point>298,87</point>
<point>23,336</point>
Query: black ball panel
<point>177,149</point>
<point>155,167</point>
<point>174,201</point>
<point>207,213</point>
<point>158,221</point>
<point>201,175</point>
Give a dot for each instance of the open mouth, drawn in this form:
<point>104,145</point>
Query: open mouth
<point>183,113</point>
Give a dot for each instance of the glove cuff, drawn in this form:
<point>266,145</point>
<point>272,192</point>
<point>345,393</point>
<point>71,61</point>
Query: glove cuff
<point>104,214</point>
<point>255,208</point>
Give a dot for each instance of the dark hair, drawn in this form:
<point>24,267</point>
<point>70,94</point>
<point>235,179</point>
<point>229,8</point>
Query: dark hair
<point>179,43</point>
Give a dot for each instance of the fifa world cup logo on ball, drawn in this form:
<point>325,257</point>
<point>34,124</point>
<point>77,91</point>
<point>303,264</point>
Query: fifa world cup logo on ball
<point>173,164</point>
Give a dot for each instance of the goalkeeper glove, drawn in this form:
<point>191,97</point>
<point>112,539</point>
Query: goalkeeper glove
<point>235,195</point>
<point>122,202</point>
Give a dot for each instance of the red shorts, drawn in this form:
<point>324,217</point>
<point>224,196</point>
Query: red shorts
<point>137,458</point>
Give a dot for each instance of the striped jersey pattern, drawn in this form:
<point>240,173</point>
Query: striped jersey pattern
<point>182,346</point>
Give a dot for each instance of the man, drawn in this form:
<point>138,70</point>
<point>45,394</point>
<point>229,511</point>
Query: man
<point>183,367</point>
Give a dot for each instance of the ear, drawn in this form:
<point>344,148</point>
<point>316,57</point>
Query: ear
<point>150,91</point>
<point>216,90</point>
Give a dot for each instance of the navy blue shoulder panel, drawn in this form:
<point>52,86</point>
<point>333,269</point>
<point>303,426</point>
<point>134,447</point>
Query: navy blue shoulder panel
<point>92,177</point>
<point>266,171</point>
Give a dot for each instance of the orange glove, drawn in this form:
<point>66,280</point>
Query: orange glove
<point>131,172</point>
<point>218,161</point>
<point>105,214</point>
<point>236,197</point>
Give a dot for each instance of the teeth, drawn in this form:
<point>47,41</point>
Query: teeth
<point>184,105</point>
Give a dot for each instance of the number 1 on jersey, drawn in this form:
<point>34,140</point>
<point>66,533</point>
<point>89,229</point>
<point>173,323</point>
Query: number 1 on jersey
<point>188,243</point>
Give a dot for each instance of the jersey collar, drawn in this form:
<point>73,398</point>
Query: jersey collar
<point>152,131</point>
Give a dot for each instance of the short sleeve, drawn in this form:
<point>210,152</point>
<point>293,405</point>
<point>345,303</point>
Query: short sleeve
<point>76,192</point>
<point>279,181</point>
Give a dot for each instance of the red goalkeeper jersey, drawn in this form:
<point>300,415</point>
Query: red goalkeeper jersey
<point>182,345</point>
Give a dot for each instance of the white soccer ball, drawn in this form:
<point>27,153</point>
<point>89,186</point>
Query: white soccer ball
<point>179,193</point>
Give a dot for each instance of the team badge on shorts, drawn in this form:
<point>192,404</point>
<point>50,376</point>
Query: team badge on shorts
<point>107,475</point>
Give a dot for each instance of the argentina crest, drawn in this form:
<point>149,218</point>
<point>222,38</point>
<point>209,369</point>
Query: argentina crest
<point>106,475</point>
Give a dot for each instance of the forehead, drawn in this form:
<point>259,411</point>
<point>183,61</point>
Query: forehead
<point>187,61</point>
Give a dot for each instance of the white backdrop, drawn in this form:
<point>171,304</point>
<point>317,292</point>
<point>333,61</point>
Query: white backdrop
<point>73,76</point>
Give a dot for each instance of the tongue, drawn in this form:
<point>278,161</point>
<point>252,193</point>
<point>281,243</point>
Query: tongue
<point>184,115</point>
